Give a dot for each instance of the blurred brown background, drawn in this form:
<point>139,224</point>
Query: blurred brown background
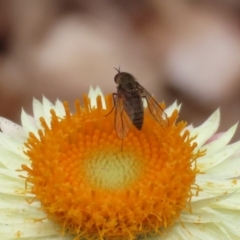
<point>184,50</point>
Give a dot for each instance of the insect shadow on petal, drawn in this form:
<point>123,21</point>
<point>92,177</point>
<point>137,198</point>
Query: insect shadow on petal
<point>128,105</point>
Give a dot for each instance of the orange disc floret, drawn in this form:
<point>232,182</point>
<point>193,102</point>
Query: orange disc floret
<point>96,189</point>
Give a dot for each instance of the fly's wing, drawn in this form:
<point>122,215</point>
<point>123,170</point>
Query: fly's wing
<point>154,108</point>
<point>122,119</point>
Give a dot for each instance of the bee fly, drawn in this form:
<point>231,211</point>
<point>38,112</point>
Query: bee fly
<point>128,105</point>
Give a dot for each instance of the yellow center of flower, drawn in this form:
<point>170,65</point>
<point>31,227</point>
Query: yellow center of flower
<point>99,187</point>
<point>111,170</point>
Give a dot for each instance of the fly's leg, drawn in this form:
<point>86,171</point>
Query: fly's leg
<point>114,95</point>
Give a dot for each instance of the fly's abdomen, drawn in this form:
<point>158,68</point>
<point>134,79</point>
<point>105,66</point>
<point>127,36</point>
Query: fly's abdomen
<point>138,117</point>
<point>134,109</point>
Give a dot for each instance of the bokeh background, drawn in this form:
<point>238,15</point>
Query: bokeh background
<point>187,50</point>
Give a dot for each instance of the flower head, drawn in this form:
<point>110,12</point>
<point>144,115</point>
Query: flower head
<point>73,179</point>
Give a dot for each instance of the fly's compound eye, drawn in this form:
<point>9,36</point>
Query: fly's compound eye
<point>117,78</point>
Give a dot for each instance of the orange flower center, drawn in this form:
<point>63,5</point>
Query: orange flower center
<point>86,183</point>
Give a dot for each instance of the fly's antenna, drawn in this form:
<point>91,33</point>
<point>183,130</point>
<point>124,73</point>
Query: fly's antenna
<point>118,70</point>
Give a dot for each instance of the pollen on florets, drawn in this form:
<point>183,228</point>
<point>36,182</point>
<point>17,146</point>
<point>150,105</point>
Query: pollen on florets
<point>93,189</point>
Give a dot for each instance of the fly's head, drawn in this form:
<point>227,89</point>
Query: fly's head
<point>124,80</point>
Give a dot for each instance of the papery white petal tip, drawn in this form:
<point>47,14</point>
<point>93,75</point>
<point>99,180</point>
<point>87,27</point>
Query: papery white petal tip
<point>93,93</point>
<point>98,89</point>
<point>169,110</point>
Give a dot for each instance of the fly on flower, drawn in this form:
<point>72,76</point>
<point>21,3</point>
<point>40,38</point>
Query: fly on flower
<point>128,104</point>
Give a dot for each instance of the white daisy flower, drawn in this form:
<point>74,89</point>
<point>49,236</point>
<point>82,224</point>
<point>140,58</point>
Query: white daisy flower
<point>64,176</point>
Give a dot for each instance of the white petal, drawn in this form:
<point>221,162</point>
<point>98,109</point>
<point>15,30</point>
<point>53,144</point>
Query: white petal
<point>207,129</point>
<point>28,123</point>
<point>93,93</point>
<point>210,161</point>
<point>169,110</point>
<point>11,144</point>
<point>9,179</point>
<point>12,160</point>
<point>40,111</point>
<point>233,169</point>
<point>37,111</point>
<point>19,216</point>
<point>34,230</point>
<point>221,142</point>
<point>12,129</point>
<point>59,108</point>
<point>47,106</point>
<point>189,128</point>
